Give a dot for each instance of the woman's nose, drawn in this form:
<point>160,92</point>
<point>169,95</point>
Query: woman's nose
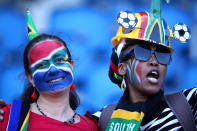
<point>53,71</point>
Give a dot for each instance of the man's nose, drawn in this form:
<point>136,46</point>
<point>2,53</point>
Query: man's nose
<point>153,60</point>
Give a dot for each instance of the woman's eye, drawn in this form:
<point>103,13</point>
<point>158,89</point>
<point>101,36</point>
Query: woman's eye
<point>60,60</point>
<point>42,65</point>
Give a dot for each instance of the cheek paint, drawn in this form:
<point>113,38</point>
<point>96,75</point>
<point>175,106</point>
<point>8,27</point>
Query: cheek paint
<point>138,70</point>
<point>134,71</point>
<point>53,79</point>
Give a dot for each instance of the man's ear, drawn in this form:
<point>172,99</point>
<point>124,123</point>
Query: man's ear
<point>122,69</point>
<point>30,78</point>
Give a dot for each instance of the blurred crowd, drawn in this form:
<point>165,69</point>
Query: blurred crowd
<point>88,26</point>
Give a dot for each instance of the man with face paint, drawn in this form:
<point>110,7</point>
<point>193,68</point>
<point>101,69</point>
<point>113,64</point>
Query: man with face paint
<point>142,50</point>
<point>50,101</point>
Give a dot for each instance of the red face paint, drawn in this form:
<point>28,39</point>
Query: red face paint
<point>138,70</point>
<point>134,71</point>
<point>42,50</point>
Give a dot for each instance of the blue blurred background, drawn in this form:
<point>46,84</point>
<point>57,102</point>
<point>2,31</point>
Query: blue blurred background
<point>88,26</point>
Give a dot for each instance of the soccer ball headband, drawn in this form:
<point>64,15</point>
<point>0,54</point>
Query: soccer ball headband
<point>150,27</point>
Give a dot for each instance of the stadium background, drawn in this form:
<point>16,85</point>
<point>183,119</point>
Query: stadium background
<point>88,26</point>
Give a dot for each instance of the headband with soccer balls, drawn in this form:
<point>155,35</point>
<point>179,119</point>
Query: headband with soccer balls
<point>149,27</point>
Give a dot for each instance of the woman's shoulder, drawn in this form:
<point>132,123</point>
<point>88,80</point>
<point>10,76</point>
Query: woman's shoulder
<point>91,121</point>
<point>88,117</point>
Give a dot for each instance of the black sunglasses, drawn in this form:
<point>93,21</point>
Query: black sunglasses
<point>144,53</point>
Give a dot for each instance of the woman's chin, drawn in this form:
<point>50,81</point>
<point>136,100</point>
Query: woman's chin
<point>57,91</point>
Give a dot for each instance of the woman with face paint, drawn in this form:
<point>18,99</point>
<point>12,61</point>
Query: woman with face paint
<point>49,102</point>
<point>142,50</point>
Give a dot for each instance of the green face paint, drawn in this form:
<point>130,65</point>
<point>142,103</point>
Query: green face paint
<point>134,71</point>
<point>58,59</point>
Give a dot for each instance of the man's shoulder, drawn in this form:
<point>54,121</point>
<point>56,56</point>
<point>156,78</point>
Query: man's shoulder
<point>190,93</point>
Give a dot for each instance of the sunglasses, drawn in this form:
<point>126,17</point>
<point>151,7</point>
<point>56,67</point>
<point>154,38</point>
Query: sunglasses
<point>144,53</point>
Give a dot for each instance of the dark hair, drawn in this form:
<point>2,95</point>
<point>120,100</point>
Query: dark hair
<point>113,69</point>
<point>114,60</point>
<point>26,96</point>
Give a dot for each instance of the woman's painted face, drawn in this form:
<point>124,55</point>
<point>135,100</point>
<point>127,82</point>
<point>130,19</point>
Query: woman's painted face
<point>147,76</point>
<point>50,67</point>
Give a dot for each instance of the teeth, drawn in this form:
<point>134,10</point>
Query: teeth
<point>55,80</point>
<point>154,72</point>
<point>152,80</point>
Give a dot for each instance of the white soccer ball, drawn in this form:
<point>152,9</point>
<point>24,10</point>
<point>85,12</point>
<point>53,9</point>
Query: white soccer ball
<point>181,32</point>
<point>127,19</point>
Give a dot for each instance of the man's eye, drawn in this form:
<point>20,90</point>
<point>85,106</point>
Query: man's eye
<point>60,60</point>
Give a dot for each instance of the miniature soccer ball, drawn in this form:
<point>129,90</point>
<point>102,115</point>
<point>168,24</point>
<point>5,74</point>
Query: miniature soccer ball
<point>181,32</point>
<point>127,19</point>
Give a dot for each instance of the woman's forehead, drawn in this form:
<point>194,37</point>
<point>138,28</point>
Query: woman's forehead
<point>46,43</point>
<point>43,49</point>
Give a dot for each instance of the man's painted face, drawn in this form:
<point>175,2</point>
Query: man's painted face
<point>147,76</point>
<point>50,67</point>
<point>134,71</point>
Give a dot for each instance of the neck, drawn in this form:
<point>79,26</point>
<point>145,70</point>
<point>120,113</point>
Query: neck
<point>135,95</point>
<point>54,105</point>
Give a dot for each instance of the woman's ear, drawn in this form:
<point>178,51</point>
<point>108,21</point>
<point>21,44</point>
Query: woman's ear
<point>72,63</point>
<point>30,78</point>
<point>122,69</point>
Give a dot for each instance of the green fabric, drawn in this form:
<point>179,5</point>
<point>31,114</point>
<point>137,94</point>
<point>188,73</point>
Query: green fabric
<point>118,124</point>
<point>127,116</point>
<point>25,126</point>
<point>155,15</point>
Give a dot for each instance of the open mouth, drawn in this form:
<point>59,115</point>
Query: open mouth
<point>153,76</point>
<point>55,80</point>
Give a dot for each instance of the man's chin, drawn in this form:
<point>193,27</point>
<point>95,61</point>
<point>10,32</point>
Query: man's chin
<point>153,90</point>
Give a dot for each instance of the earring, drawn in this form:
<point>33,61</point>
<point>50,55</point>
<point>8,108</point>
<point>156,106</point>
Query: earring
<point>72,87</point>
<point>34,96</point>
<point>123,84</point>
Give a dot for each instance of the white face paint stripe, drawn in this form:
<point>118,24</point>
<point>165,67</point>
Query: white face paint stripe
<point>62,68</point>
<point>129,70</point>
<point>66,69</point>
<point>137,61</point>
<point>120,46</point>
<point>48,57</point>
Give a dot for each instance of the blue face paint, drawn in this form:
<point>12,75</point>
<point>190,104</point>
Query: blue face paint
<point>52,80</point>
<point>53,72</point>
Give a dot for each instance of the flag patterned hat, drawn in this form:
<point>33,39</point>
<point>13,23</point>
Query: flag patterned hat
<point>149,27</point>
<point>32,31</point>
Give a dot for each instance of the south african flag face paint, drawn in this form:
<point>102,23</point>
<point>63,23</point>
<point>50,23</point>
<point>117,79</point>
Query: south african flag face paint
<point>134,71</point>
<point>50,67</point>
